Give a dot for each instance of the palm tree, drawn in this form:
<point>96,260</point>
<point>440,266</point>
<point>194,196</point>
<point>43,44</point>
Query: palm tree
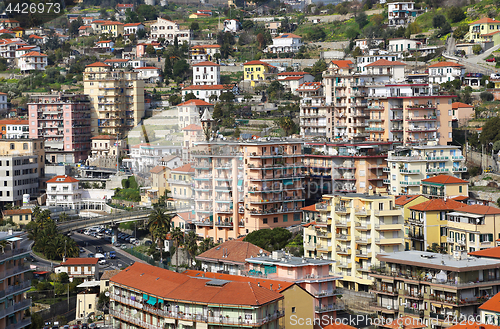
<point>3,244</point>
<point>159,226</point>
<point>191,244</point>
<point>178,239</point>
<point>205,245</point>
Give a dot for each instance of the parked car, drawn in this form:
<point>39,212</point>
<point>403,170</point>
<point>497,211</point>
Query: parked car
<point>85,326</point>
<point>112,254</point>
<point>81,250</point>
<point>93,326</point>
<point>91,255</point>
<point>491,59</point>
<point>99,249</point>
<point>117,244</point>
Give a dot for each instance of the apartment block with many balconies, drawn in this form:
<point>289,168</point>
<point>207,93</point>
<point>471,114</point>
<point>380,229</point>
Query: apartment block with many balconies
<point>407,167</point>
<point>432,286</point>
<point>14,282</point>
<point>316,118</point>
<point>351,230</point>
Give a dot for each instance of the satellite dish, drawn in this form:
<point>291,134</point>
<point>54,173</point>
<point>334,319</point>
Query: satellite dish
<point>260,251</point>
<point>370,187</point>
<point>194,263</point>
<point>106,294</point>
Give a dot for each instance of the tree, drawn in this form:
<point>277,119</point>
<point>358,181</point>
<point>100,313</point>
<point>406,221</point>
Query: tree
<point>477,49</point>
<point>103,13</point>
<point>159,226</point>
<point>316,34</point>
<point>103,300</point>
<point>247,24</point>
<point>445,28</point>
<point>456,14</point>
<point>287,124</point>
<point>490,132</point>
<point>226,97</point>
<point>461,31</point>
<point>205,244</point>
<point>191,245</point>
<point>357,52</point>
<point>261,40</point>
<point>180,69</point>
<point>237,132</point>
<point>361,19</point>
<point>486,96</point>
<point>377,19</point>
<point>141,33</point>
<point>195,26</point>
<point>438,21</point>
<point>63,277</point>
<point>268,239</point>
<point>275,90</point>
<point>150,50</point>
<point>189,96</point>
<point>74,26</point>
<point>167,70</point>
<point>178,238</point>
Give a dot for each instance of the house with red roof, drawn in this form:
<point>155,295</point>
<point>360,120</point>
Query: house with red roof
<point>123,7</point>
<point>257,71</point>
<point>484,29</point>
<point>180,300</point>
<point>446,71</point>
<point>462,113</point>
<point>181,186</point>
<point>292,80</point>
<point>80,268</point>
<point>63,191</point>
<point>206,73</point>
<point>85,30</point>
<point>39,40</point>
<point>132,28</point>
<point>26,49</point>
<point>200,53</point>
<point>444,186</point>
<point>8,48</point>
<point>105,44</point>
<point>32,61</point>
<point>149,74</point>
<point>285,43</point>
<point>189,112</point>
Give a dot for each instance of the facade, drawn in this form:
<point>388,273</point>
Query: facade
<point>163,28</point>
<point>192,134</point>
<point>352,230</point>
<point>490,311</point>
<point>228,257</point>
<point>63,120</point>
<point>245,186</point>
<point>107,146</point>
<point>85,31</point>
<point>116,99</point>
<point>4,105</point>
<point>401,13</point>
<point>285,43</point>
<point>207,92</point>
<point>446,71</point>
<point>22,166</point>
<point>232,25</point>
<point>32,61</point>
<point>480,30</point>
<point>407,167</point>
<point>200,53</point>
<point>433,287</point>
<point>105,44</point>
<point>312,274</point>
<point>462,114</point>
<point>159,183</point>
<point>17,216</point>
<point>149,74</point>
<point>132,28</point>
<point>63,191</point>
<point>294,80</point>
<point>112,28</point>
<point>15,282</point>
<point>366,44</point>
<point>402,44</point>
<point>315,116</point>
<point>206,73</point>
<point>196,302</point>
<point>181,186</point>
<point>444,186</point>
<point>14,128</point>
<point>257,71</point>
<point>190,112</point>
<point>184,221</point>
<point>81,268</point>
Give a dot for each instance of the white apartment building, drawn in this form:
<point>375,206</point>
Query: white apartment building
<point>292,80</point>
<point>8,48</point>
<point>408,166</point>
<point>15,128</point>
<point>190,112</point>
<point>446,71</point>
<point>32,61</point>
<point>105,44</point>
<point>204,92</point>
<point>402,44</point>
<point>285,43</point>
<point>402,13</point>
<point>149,74</point>
<point>26,49</point>
<point>315,115</point>
<point>63,191</point>
<point>132,28</point>
<point>365,44</point>
<point>163,28</point>
<point>206,73</point>
<point>143,157</point>
<point>362,61</point>
<point>80,268</point>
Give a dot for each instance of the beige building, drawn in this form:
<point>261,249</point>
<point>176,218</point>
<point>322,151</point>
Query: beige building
<point>351,230</point>
<point>17,216</point>
<point>116,98</point>
<point>107,146</point>
<point>462,113</point>
<point>444,186</point>
<point>181,186</point>
<point>159,184</point>
<point>192,134</point>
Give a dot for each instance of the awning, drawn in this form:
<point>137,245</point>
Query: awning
<point>287,182</point>
<point>145,297</point>
<point>152,300</point>
<point>186,323</point>
<point>448,306</point>
<point>240,182</point>
<point>160,301</point>
<point>171,321</point>
<point>485,288</point>
<point>201,325</point>
<point>14,239</point>
<point>463,214</point>
<point>388,280</point>
<point>436,305</point>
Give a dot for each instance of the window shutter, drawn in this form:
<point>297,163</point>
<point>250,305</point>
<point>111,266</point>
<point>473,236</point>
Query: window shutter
<point>481,238</point>
<point>490,237</point>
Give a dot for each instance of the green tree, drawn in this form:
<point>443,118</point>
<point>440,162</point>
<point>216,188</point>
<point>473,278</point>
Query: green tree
<point>477,49</point>
<point>178,238</point>
<point>361,19</point>
<point>191,245</point>
<point>287,124</point>
<point>195,26</point>
<point>189,96</point>
<point>316,34</point>
<point>226,96</point>
<point>438,21</point>
<point>103,300</point>
<point>36,321</point>
<point>159,226</point>
<point>237,132</point>
<point>206,244</point>
<point>461,31</point>
<point>181,69</point>
<point>456,14</point>
<point>141,33</point>
<point>268,239</point>
<point>63,277</point>
<point>490,132</point>
<point>486,96</point>
<point>275,90</point>
<point>247,24</point>
<point>59,288</point>
<point>150,50</point>
<point>167,70</point>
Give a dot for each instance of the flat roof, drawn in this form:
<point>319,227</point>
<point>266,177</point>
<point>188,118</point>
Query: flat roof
<point>439,261</point>
<point>7,235</point>
<point>288,261</point>
<point>358,195</point>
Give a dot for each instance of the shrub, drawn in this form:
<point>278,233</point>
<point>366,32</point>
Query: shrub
<point>486,96</point>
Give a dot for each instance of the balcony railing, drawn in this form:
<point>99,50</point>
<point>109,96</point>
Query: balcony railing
<point>13,252</point>
<point>21,324</point>
<point>330,307</point>
<point>13,271</point>
<point>14,308</point>
<point>15,288</point>
<point>459,169</point>
<point>414,311</point>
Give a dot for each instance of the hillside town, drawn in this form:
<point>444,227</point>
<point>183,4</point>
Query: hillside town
<point>232,164</point>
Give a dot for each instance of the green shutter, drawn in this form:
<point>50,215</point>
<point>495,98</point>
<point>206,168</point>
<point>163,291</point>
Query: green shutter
<point>490,237</point>
<point>481,238</point>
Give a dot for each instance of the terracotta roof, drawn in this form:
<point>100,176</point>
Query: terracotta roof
<point>483,35</point>
<point>236,251</point>
<point>26,48</point>
<point>457,105</point>
<point>338,326</point>
<point>316,86</point>
<point>175,286</point>
<point>277,285</point>
<point>8,20</point>
<point>84,27</point>
<point>80,261</point>
<point>258,63</point>
<point>460,198</point>
<point>168,158</point>
<point>309,208</point>
<point>9,212</point>
<point>385,62</point>
<point>202,14</point>
<point>107,137</point>
<point>446,64</point>
<point>98,64</point>
<point>62,179</point>
<point>206,63</point>
<point>108,274</point>
<point>34,54</point>
<point>184,168</point>
<point>445,179</point>
<point>206,87</point>
<point>147,68</point>
<point>125,5</point>
<point>14,122</point>
<point>309,224</point>
<point>404,199</point>
<point>405,322</point>
<point>33,36</point>
<point>437,204</point>
<point>192,126</point>
<point>195,102</point>
<point>186,216</point>
<point>480,210</point>
<point>157,169</point>
<point>487,253</point>
<point>132,24</point>
<point>113,23</point>
<point>477,325</point>
<point>288,35</point>
<point>117,60</point>
<point>292,73</point>
<point>343,64</point>
<point>484,21</point>
<point>104,41</point>
<point>291,78</point>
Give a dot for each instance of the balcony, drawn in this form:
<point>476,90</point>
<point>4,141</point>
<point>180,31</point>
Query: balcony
<point>329,308</point>
<point>416,235</point>
<point>343,237</point>
<point>326,293</point>
<point>344,264</point>
<point>341,251</point>
<point>386,181</point>
<point>15,288</point>
<point>375,129</point>
<point>457,157</point>
<point>409,172</point>
<point>360,212</point>
<point>391,241</point>
<point>415,183</point>
<point>15,308</point>
<point>13,252</point>
<point>342,210</point>
<point>435,158</point>
<point>459,169</point>
<point>375,107</point>
<point>426,118</point>
<point>388,212</point>
<point>386,169</point>
<point>22,324</point>
<point>413,311</point>
<point>437,170</point>
<point>325,235</point>
<point>14,271</point>
<point>384,309</point>
<point>388,227</point>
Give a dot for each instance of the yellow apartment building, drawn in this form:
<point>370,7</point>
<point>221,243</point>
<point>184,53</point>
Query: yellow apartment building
<point>159,184</point>
<point>484,29</point>
<point>408,166</point>
<point>257,71</point>
<point>113,28</point>
<point>444,186</point>
<point>357,228</point>
<point>17,216</point>
<point>181,186</point>
<point>248,185</point>
<point>116,98</point>
<point>405,202</point>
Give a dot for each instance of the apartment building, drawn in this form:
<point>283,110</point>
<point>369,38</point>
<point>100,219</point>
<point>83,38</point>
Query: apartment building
<point>446,71</point>
<point>190,112</point>
<point>116,99</point>
<point>206,73</point>
<point>32,61</point>
<point>22,165</point>
<point>14,128</point>
<point>80,268</point>
<point>482,29</point>
<point>107,145</point>
<point>14,282</point>
<point>247,185</point>
<point>316,118</point>
<point>293,81</point>
<point>409,166</point>
<point>312,274</point>
<point>146,296</point>
<point>351,230</point>
<point>192,134</point>
<point>181,186</point>
<point>63,191</point>
<point>444,186</point>
<point>401,13</point>
<point>63,121</point>
<point>432,287</point>
<point>345,167</point>
<point>4,104</point>
<point>19,217</point>
<point>163,28</point>
<point>200,53</point>
<point>285,43</point>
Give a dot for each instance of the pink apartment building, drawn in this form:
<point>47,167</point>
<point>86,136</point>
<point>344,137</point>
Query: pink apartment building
<point>63,121</point>
<point>312,274</point>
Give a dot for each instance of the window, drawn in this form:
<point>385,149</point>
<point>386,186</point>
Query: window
<point>275,219</point>
<point>460,189</point>
<point>264,221</point>
<point>293,309</point>
<point>12,146</point>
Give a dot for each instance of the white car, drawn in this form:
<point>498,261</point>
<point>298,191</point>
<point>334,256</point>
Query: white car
<point>102,261</point>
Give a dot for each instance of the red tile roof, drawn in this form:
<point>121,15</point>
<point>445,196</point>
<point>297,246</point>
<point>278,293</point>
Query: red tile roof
<point>107,137</point>
<point>192,126</point>
<point>258,63</point>
<point>132,24</point>
<point>291,78</point>
<point>62,179</point>
<point>170,285</point>
<point>104,41</point>
<point>385,62</point>
<point>477,325</point>
<point>404,199</point>
<point>275,285</point>
<point>338,326</point>
<point>14,121</point>
<point>236,251</point>
<point>460,198</point>
<point>116,60</point>
<point>309,208</point>
<point>480,210</point>
<point>316,86</point>
<point>34,54</point>
<point>125,5</point>
<point>184,168</point>
<point>343,64</point>
<point>9,212</point>
<point>33,36</point>
<point>147,68</point>
<point>437,205</point>
<point>457,105</point>
<point>26,48</point>
<point>309,224</point>
<point>84,27</point>
<point>487,253</point>
<point>490,34</point>
<point>80,261</point>
<point>206,63</point>
<point>157,169</point>
<point>445,179</point>
<point>446,64</point>
<point>484,21</point>
<point>292,73</point>
<point>98,64</point>
<point>195,102</point>
<point>405,322</point>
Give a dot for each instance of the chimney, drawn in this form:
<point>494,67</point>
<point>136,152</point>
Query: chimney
<point>258,284</point>
<point>279,286</point>
<point>11,231</point>
<point>271,286</point>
